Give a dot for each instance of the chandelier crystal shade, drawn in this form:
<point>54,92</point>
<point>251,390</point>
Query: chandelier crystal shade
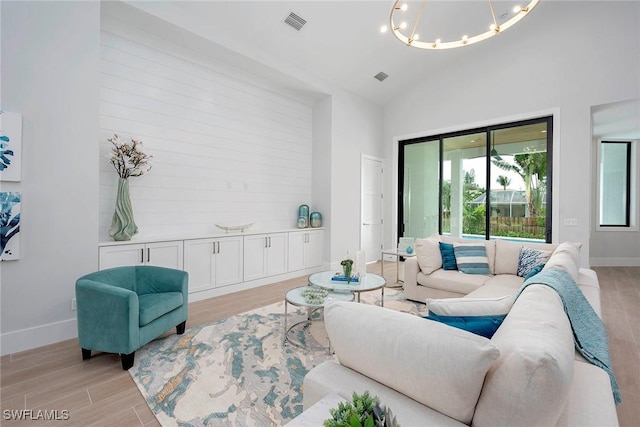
<point>406,27</point>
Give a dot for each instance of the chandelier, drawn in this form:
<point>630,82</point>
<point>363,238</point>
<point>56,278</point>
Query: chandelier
<point>406,26</point>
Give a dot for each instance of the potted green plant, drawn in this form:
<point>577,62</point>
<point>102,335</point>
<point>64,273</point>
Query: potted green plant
<point>363,411</point>
<point>347,265</point>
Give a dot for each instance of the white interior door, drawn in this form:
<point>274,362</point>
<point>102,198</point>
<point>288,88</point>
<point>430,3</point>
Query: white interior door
<point>371,207</point>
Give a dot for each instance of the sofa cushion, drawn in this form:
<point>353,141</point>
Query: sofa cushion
<point>508,254</point>
<point>471,258</point>
<point>490,246</point>
<point>448,256</point>
<point>453,281</point>
<point>589,403</point>
<point>485,326</point>
<point>531,260</point>
<point>529,383</point>
<point>332,378</point>
<point>428,254</point>
<point>565,257</point>
<point>420,359</point>
<point>470,306</point>
<point>153,306</point>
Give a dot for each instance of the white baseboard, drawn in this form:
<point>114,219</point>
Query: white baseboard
<point>224,290</point>
<point>614,262</point>
<point>38,336</point>
<point>26,339</point>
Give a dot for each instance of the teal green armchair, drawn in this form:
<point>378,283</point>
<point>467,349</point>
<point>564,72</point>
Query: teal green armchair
<point>121,309</point>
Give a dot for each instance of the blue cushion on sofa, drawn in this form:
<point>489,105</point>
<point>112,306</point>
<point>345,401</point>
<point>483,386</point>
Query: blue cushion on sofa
<point>529,259</point>
<point>448,256</point>
<point>484,326</point>
<point>535,270</point>
<point>472,258</point>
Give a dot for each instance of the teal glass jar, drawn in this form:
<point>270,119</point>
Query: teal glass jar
<point>315,219</point>
<point>303,212</point>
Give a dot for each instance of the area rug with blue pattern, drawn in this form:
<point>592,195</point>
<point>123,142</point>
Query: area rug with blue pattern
<point>236,371</point>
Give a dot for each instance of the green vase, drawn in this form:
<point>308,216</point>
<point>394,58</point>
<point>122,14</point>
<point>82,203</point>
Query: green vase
<point>123,226</point>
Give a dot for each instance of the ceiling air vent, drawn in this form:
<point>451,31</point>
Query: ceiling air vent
<point>295,21</point>
<point>381,76</point>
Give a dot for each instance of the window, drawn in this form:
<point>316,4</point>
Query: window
<point>480,183</point>
<point>615,183</point>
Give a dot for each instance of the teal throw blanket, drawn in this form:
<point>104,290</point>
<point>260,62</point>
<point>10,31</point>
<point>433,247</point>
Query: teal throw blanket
<point>589,333</point>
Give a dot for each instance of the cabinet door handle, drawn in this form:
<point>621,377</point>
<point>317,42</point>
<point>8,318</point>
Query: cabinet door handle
<point>141,256</point>
<point>218,247</point>
<point>214,248</point>
<point>269,241</point>
<point>148,254</point>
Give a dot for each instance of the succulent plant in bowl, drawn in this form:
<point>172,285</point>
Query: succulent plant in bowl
<point>363,411</point>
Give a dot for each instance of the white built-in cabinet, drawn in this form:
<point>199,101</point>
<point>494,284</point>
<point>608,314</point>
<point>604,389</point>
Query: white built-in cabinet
<point>305,249</point>
<point>213,263</point>
<point>265,255</point>
<point>163,254</point>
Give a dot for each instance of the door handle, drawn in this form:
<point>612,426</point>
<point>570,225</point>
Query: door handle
<point>148,254</point>
<point>141,256</point>
<point>218,247</point>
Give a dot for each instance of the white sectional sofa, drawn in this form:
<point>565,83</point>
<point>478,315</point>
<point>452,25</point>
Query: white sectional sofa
<point>424,277</point>
<point>428,373</point>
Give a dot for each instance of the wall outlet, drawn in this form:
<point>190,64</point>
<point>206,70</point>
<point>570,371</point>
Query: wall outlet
<point>73,304</point>
<point>571,221</point>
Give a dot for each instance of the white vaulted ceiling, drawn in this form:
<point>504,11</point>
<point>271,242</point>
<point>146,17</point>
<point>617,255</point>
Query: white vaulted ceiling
<point>341,44</point>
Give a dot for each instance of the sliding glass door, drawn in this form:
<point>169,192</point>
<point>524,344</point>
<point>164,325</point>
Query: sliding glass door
<point>482,183</point>
<point>420,165</point>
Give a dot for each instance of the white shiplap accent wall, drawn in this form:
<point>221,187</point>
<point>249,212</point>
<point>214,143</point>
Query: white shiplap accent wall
<point>228,147</point>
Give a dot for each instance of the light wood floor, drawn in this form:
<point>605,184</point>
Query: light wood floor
<point>98,392</point>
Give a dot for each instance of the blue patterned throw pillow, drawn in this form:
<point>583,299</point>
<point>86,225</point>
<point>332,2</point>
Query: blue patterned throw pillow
<point>530,259</point>
<point>472,258</point>
<point>448,257</point>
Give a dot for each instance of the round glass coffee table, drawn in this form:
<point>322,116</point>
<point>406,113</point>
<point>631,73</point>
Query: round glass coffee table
<point>370,282</point>
<point>297,298</point>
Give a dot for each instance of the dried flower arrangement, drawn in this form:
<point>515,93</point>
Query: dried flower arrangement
<point>128,158</point>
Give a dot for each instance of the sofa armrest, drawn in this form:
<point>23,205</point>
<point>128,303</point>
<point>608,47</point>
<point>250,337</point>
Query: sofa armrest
<point>411,270</point>
<point>108,317</point>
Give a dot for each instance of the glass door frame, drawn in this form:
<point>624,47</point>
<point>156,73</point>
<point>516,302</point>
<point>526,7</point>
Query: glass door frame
<point>488,131</point>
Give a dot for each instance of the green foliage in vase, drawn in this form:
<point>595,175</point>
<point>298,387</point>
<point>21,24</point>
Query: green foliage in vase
<point>363,411</point>
<point>347,265</point>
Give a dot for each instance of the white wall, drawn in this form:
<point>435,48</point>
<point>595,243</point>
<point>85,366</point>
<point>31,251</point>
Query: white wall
<point>50,73</point>
<point>229,147</point>
<point>321,181</point>
<point>565,69</point>
<point>75,85</point>
<point>356,130</point>
<point>614,246</point>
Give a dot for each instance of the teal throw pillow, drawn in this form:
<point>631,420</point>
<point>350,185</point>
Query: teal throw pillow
<point>448,256</point>
<point>471,258</point>
<point>535,270</point>
<point>484,326</point>
<point>530,259</point>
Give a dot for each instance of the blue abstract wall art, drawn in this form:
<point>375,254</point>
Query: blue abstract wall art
<point>9,225</point>
<point>10,146</point>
